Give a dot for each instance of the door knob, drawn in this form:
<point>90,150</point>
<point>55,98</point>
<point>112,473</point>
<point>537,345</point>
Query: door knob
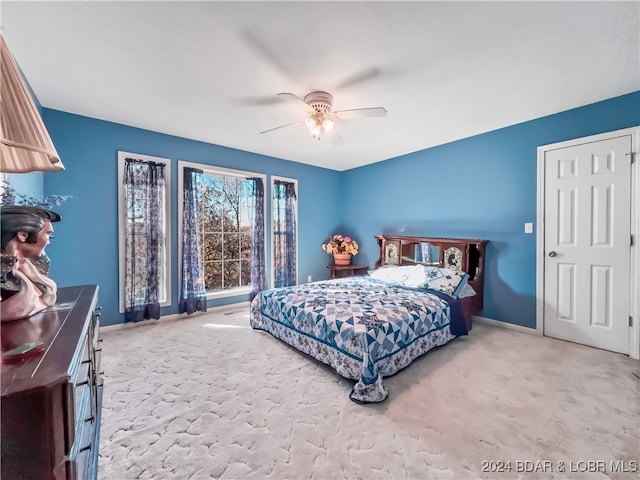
<point>552,253</point>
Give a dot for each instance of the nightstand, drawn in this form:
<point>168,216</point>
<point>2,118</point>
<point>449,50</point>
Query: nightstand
<point>341,271</point>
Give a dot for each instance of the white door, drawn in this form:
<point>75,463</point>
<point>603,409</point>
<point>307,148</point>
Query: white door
<point>587,243</point>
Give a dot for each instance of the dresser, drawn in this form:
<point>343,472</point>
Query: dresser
<point>52,399</point>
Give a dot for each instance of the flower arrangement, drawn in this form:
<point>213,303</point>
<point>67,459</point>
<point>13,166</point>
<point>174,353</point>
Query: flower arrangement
<point>341,244</point>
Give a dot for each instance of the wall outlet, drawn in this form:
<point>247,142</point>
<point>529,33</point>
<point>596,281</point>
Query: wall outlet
<point>309,279</point>
<point>528,228</point>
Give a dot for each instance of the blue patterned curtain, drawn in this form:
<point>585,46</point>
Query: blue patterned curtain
<point>284,238</point>
<point>144,184</point>
<point>256,217</point>
<point>193,297</point>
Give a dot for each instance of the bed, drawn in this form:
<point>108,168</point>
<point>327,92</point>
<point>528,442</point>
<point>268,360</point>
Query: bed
<point>372,326</point>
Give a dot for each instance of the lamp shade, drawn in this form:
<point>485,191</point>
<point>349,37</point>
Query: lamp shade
<point>25,144</point>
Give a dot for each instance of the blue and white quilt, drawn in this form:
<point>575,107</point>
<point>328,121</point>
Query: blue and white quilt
<point>363,328</point>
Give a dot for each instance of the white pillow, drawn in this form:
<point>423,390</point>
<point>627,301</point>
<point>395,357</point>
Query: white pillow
<point>405,275</point>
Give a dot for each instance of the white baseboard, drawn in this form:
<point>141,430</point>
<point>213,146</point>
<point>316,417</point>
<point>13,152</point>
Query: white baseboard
<point>175,316</point>
<point>510,326</point>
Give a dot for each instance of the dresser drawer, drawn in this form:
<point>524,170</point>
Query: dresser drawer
<point>78,395</point>
<point>85,443</point>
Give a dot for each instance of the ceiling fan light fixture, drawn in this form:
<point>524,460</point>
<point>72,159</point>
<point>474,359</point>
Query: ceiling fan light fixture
<point>318,124</point>
<point>327,125</point>
<point>310,123</point>
<point>315,132</point>
<point>320,119</point>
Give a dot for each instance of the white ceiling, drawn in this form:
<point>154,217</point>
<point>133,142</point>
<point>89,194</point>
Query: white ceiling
<point>210,71</point>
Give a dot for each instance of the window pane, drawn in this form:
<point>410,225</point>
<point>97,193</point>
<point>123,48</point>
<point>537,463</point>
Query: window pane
<point>137,214</point>
<point>245,273</point>
<point>211,203</point>
<point>212,246</point>
<point>245,244</point>
<point>140,250</point>
<point>213,275</point>
<point>211,217</point>
<point>231,274</point>
<point>139,261</point>
<point>231,246</point>
<point>231,219</point>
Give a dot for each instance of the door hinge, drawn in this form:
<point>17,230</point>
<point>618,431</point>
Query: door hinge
<point>631,241</point>
<point>633,157</point>
<point>630,321</point>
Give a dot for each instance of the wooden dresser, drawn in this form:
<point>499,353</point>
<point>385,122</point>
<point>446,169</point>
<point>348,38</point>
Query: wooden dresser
<point>51,401</point>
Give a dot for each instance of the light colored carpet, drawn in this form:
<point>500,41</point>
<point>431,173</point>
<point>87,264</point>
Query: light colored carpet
<point>208,397</point>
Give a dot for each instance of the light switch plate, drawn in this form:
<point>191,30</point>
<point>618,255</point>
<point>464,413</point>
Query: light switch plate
<point>528,228</point>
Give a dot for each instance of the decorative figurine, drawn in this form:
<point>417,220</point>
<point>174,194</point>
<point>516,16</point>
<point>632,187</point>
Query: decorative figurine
<point>26,289</point>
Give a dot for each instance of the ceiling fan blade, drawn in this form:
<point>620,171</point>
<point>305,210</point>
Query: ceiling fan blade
<point>268,54</point>
<point>359,77</point>
<point>296,99</point>
<point>281,126</point>
<point>361,112</point>
<point>335,138</point>
<point>257,101</point>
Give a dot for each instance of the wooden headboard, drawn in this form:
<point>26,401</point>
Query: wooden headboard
<point>464,254</point>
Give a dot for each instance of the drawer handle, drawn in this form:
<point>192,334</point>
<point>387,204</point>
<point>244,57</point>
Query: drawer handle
<point>84,449</point>
<point>86,382</point>
<point>90,419</point>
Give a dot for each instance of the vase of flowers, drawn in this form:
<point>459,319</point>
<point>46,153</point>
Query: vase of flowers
<point>342,249</point>
<point>342,258</point>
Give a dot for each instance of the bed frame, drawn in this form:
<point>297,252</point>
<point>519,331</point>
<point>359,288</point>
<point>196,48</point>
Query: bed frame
<point>463,254</point>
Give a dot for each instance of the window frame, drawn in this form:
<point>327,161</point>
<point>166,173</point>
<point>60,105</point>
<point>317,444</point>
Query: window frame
<point>122,226</point>
<point>215,170</point>
<point>271,229</point>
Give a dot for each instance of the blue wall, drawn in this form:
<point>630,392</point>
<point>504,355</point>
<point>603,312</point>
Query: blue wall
<point>479,187</point>
<point>85,250</point>
<point>30,184</point>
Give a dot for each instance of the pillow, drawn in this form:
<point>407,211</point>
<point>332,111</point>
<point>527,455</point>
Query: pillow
<point>405,275</point>
<point>445,280</point>
<point>451,282</point>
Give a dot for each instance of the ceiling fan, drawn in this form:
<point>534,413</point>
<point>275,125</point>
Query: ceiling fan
<point>320,120</point>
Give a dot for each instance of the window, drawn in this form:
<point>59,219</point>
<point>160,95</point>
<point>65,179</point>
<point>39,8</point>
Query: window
<point>284,231</point>
<point>225,224</point>
<point>134,220</point>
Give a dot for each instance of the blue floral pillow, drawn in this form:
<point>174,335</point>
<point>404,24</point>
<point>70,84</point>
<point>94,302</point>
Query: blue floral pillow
<point>451,282</point>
